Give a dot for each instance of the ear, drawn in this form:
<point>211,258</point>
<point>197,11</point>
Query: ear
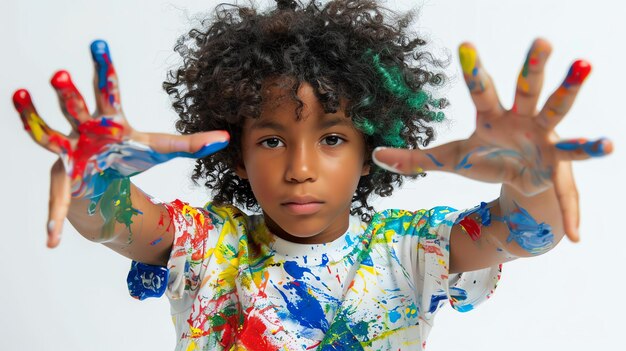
<point>240,171</point>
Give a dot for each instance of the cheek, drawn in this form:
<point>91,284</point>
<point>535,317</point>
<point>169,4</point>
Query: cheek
<point>263,179</point>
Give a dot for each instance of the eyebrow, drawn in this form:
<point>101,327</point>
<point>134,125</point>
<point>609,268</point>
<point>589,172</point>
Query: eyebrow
<point>327,123</point>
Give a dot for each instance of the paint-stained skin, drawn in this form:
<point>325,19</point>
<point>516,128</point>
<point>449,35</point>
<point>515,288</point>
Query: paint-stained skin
<point>245,289</point>
<point>536,238</point>
<point>577,74</point>
<point>535,57</point>
<point>471,69</point>
<point>592,148</point>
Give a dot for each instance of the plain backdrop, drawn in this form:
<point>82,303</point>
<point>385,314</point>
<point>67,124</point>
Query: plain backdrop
<point>75,297</point>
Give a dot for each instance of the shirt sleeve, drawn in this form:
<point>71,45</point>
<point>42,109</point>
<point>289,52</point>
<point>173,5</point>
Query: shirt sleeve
<point>193,232</point>
<point>464,291</point>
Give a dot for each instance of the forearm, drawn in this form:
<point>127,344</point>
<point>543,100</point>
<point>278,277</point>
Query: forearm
<point>125,220</point>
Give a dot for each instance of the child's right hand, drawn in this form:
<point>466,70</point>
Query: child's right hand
<point>102,146</point>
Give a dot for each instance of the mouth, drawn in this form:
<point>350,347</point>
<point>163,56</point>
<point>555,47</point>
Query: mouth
<point>303,205</point>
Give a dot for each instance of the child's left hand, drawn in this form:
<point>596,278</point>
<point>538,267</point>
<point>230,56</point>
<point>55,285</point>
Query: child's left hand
<point>519,146</point>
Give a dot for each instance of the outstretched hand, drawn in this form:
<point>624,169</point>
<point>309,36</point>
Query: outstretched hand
<point>102,146</point>
<point>519,146</point>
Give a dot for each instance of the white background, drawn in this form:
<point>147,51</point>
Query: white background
<point>75,297</point>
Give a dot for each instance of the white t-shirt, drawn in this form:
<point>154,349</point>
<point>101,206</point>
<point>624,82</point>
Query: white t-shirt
<point>234,286</point>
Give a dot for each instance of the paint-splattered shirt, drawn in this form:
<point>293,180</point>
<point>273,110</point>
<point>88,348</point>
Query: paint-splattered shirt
<point>235,286</point>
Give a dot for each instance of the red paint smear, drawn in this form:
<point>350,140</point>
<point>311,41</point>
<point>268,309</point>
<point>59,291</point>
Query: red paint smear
<point>432,249</point>
<point>201,312</point>
<point>533,61</point>
<point>94,136</point>
<point>314,346</point>
<point>471,227</point>
<point>252,335</point>
<point>578,73</point>
<point>201,223</point>
<point>73,100</point>
<point>62,143</point>
<point>106,91</point>
<point>161,220</point>
<point>351,285</point>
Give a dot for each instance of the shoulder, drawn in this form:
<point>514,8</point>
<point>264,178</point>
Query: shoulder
<point>412,222</point>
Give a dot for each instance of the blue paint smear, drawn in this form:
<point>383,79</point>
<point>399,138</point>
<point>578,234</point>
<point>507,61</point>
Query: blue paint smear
<point>591,148</point>
<point>464,163</point>
<point>432,158</point>
<point>292,268</point>
<point>304,307</point>
<point>482,210</point>
<point>394,315</point>
<point>439,296</point>
<point>100,53</point>
<point>533,237</point>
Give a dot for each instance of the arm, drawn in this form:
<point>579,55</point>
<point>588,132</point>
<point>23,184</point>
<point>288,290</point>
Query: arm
<point>90,184</point>
<point>519,149</point>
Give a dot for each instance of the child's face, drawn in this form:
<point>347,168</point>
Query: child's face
<point>303,172</point>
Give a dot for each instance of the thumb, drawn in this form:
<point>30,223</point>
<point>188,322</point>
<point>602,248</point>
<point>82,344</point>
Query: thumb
<point>197,145</point>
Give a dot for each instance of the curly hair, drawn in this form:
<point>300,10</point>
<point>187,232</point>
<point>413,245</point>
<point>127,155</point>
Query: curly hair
<point>355,50</point>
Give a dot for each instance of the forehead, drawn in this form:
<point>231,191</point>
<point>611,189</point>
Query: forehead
<point>281,102</point>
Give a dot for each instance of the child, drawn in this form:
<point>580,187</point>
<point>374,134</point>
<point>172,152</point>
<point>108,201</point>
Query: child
<point>306,94</point>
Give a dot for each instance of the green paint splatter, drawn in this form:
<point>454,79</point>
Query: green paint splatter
<point>116,206</point>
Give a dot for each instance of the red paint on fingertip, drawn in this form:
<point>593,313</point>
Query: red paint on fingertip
<point>578,73</point>
<point>61,80</point>
<point>21,100</point>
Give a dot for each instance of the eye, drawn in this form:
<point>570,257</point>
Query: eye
<point>271,143</point>
<point>333,140</point>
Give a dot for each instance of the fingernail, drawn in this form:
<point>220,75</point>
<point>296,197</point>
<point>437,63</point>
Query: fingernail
<point>391,168</point>
<point>51,224</point>
<point>577,73</point>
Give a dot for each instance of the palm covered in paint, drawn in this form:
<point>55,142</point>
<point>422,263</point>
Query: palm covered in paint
<point>102,147</point>
<point>518,147</point>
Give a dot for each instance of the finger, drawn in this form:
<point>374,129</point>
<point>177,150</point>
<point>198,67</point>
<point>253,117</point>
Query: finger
<point>567,195</point>
<point>582,149</point>
<point>563,98</point>
<point>414,162</point>
<point>194,145</point>
<point>37,128</point>
<point>59,203</point>
<point>530,79</point>
<point>105,80</point>
<point>71,101</point>
<point>478,81</point>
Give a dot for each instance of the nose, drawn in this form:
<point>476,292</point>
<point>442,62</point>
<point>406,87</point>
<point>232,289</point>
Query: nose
<point>302,164</point>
